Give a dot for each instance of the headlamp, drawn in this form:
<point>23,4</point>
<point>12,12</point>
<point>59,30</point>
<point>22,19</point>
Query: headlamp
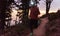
<point>32,3</point>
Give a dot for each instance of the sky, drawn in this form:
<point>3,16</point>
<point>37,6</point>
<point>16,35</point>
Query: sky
<point>54,6</point>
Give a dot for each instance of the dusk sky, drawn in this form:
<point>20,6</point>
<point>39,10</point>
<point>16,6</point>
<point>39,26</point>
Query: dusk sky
<point>54,6</point>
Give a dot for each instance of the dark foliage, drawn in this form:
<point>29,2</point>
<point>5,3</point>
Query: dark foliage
<point>4,8</point>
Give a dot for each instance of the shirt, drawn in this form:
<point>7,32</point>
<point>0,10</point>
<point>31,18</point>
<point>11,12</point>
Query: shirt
<point>34,12</point>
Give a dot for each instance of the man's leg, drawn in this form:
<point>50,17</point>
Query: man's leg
<point>35,24</point>
<point>31,27</point>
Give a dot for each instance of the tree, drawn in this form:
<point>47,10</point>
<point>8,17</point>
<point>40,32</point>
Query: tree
<point>48,3</point>
<point>4,7</point>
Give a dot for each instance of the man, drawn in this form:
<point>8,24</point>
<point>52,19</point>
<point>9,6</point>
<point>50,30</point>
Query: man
<point>34,17</point>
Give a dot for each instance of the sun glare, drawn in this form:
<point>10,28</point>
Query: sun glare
<point>14,14</point>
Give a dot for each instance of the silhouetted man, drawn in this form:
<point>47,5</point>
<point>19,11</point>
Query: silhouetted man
<point>34,17</point>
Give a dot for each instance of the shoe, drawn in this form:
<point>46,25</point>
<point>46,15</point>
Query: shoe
<point>31,34</point>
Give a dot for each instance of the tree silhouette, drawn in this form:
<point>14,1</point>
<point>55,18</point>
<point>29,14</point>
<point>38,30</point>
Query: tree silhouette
<point>4,7</point>
<point>48,3</point>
